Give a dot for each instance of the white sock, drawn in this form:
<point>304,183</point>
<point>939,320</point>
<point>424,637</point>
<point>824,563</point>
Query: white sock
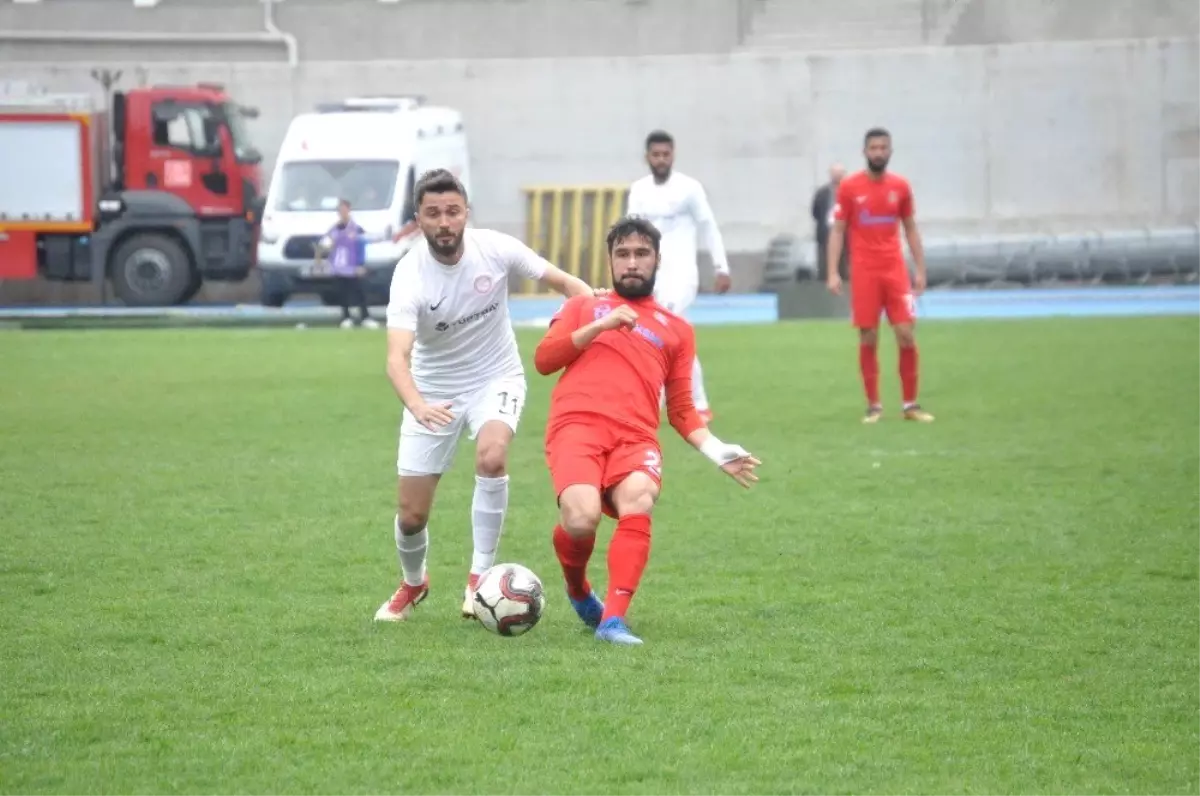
<point>412,549</point>
<point>699,396</point>
<point>487,516</point>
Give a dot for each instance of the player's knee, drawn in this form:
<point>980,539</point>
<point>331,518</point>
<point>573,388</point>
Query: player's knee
<point>637,494</point>
<point>491,459</point>
<point>580,514</point>
<point>637,503</point>
<point>868,337</point>
<point>414,499</point>
<point>580,522</point>
<point>905,337</point>
<point>413,519</point>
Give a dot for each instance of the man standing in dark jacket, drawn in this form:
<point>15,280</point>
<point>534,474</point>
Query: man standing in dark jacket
<point>822,213</point>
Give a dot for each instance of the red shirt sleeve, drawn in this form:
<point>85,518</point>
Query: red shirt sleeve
<point>557,349</point>
<point>681,411</point>
<point>841,202</point>
<point>906,201</point>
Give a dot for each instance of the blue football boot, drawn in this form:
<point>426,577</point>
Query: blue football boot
<point>615,631</point>
<point>590,609</point>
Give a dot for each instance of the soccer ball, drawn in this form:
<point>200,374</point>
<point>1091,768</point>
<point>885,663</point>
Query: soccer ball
<point>509,599</point>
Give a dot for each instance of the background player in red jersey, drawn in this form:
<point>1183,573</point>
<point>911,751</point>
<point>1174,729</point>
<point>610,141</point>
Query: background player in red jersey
<point>871,205</point>
<point>619,352</point>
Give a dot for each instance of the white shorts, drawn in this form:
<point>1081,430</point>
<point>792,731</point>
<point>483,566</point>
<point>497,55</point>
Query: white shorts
<point>425,452</point>
<point>675,296</point>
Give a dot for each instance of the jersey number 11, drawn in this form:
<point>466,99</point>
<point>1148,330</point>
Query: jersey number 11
<point>508,404</point>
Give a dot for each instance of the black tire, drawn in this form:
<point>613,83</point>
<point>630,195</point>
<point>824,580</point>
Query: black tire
<point>150,270</point>
<point>275,291</point>
<point>193,288</point>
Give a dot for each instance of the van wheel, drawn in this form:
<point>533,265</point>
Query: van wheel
<point>273,298</point>
<point>151,270</point>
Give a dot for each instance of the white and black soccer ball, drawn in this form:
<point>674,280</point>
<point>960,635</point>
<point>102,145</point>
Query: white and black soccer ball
<point>509,599</point>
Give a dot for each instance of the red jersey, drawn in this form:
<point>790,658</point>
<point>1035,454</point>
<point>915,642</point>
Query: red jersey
<point>872,210</point>
<point>621,374</point>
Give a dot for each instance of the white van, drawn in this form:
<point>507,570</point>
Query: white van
<point>369,151</point>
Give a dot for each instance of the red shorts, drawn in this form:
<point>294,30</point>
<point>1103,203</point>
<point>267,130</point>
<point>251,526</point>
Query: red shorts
<point>599,455</point>
<point>876,292</point>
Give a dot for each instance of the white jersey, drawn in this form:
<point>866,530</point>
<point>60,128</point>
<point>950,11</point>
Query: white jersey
<point>464,338</point>
<point>679,208</point>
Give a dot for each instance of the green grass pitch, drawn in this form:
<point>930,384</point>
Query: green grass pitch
<point>196,533</point>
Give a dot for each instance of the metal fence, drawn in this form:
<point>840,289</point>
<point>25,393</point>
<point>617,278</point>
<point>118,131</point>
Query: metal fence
<point>1132,256</point>
<point>567,225</point>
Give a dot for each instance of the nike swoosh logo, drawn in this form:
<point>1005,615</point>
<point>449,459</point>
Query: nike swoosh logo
<point>433,307</point>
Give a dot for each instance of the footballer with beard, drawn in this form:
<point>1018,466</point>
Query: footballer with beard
<point>617,354</point>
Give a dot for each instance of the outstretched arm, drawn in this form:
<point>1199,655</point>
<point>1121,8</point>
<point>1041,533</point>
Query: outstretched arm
<point>561,282</point>
<point>532,265</point>
<point>710,233</point>
<point>737,462</point>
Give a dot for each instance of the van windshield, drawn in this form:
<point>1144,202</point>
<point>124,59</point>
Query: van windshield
<point>243,148</point>
<point>319,184</point>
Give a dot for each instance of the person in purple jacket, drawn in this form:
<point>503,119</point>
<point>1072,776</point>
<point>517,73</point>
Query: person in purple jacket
<point>342,245</point>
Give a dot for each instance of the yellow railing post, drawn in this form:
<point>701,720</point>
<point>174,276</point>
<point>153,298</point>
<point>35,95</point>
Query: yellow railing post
<point>587,211</point>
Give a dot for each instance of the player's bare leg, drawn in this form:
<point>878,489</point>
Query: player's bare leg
<point>906,340</point>
<point>489,504</point>
<point>628,554</point>
<point>574,541</point>
<point>868,366</point>
<point>415,496</point>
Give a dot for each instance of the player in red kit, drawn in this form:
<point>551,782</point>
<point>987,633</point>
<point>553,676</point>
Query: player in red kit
<point>618,353</point>
<point>871,205</point>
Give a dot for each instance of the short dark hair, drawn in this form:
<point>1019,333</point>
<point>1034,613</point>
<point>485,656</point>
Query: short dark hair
<point>629,226</point>
<point>437,181</point>
<point>659,137</point>
<point>344,201</point>
<point>875,132</point>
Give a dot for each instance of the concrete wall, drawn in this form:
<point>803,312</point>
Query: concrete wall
<point>366,30</point>
<point>844,25</point>
<point>1004,21</point>
<point>1024,137</point>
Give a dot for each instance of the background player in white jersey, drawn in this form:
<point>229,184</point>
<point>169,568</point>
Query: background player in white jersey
<point>453,360</point>
<point>678,206</point>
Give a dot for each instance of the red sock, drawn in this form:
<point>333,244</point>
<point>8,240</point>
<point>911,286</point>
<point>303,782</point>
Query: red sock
<point>573,555</point>
<point>908,374</point>
<point>868,365</point>
<point>627,557</point>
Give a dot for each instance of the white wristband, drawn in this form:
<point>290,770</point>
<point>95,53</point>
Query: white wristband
<point>718,452</point>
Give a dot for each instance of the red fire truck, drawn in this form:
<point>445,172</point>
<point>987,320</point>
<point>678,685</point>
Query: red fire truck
<point>154,196</point>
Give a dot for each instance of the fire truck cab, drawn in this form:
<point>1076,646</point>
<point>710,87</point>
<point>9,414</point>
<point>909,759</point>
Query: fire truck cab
<point>155,197</point>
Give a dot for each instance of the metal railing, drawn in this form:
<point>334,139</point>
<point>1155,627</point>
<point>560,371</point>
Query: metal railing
<point>1128,256</point>
<point>567,225</point>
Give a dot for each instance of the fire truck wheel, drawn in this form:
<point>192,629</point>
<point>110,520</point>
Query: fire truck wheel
<point>151,270</point>
<point>193,287</point>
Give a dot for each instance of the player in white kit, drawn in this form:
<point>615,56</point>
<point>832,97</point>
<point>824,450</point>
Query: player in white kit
<point>453,360</point>
<point>678,206</point>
